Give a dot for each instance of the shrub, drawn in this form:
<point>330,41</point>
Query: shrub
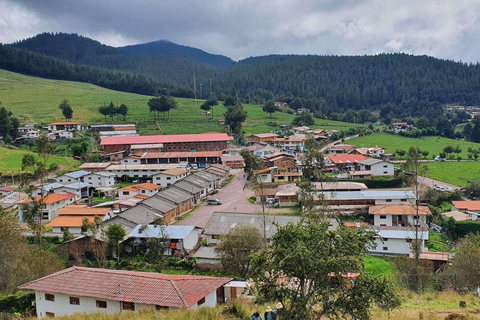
<point>20,301</point>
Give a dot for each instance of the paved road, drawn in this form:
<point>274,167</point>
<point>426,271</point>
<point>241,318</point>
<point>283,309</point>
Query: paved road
<point>331,144</point>
<point>431,183</point>
<point>234,198</point>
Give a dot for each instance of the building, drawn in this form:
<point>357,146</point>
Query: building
<point>60,134</point>
<point>201,158</point>
<point>401,127</point>
<point>376,152</point>
<point>340,149</point>
<point>91,290</point>
<point>457,216</point>
<point>65,125</point>
<point>75,176</point>
<point>207,258</point>
<point>170,143</point>
<point>233,161</point>
<point>261,137</point>
<point>396,226</point>
<point>182,199</point>
<point>472,208</point>
<point>51,203</point>
<point>112,127</point>
<point>303,110</point>
<point>344,162</point>
<point>71,218</point>
<point>289,143</point>
<point>80,189</point>
<point>140,171</point>
<point>12,200</point>
<point>377,167</point>
<point>263,149</point>
<point>100,179</point>
<point>6,190</point>
<point>145,190</point>
<point>27,132</point>
<point>169,177</point>
<point>180,239</point>
<point>94,166</point>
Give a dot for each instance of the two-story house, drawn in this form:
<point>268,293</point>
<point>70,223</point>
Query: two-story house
<point>142,190</point>
<point>169,177</point>
<point>50,204</point>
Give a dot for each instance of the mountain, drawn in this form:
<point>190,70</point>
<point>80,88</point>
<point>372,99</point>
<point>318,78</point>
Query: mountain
<point>164,47</point>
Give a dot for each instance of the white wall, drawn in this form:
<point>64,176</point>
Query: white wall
<point>383,169</point>
<point>75,230</point>
<point>99,181</point>
<point>66,179</point>
<point>394,201</point>
<point>166,180</point>
<point>210,301</point>
<point>191,240</point>
<point>395,246</point>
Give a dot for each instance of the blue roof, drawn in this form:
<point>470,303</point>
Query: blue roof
<point>77,185</point>
<point>77,174</point>
<point>152,231</point>
<point>52,186</point>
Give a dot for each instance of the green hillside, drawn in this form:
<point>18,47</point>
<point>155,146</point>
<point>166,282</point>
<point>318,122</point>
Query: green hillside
<point>457,173</point>
<point>36,100</point>
<point>390,142</point>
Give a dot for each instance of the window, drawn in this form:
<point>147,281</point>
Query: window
<point>143,191</point>
<point>385,239</point>
<point>125,193</point>
<point>383,225</point>
<point>50,314</point>
<point>161,308</point>
<point>385,166</point>
<point>403,200</point>
<point>408,240</point>
<point>201,301</point>
<point>385,172</point>
<point>49,297</point>
<point>215,236</point>
<point>75,300</point>
<point>385,248</point>
<point>101,304</point>
<point>388,200</point>
<point>382,216</point>
<point>169,178</point>
<point>130,306</point>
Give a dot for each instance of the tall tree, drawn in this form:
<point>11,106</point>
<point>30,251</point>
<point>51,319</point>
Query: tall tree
<point>234,116</point>
<point>115,233</point>
<point>105,111</point>
<point>112,110</point>
<point>123,110</point>
<point>270,107</point>
<point>475,132</point>
<point>67,110</point>
<point>236,247</point>
<point>316,272</point>
<point>154,105</point>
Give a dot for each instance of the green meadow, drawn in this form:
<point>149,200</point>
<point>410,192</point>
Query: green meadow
<point>454,172</point>
<point>36,100</point>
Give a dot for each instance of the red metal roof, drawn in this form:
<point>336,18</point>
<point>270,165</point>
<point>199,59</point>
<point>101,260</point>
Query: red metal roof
<point>346,158</point>
<point>167,138</point>
<point>129,286</point>
<point>467,205</point>
<point>165,155</point>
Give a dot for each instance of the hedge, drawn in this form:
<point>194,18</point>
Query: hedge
<point>20,302</point>
<point>462,228</point>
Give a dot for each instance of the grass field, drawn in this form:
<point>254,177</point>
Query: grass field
<point>376,266</point>
<point>457,173</point>
<point>36,100</point>
<point>11,160</point>
<point>390,142</point>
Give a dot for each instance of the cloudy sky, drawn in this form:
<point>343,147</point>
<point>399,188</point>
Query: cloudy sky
<point>242,28</point>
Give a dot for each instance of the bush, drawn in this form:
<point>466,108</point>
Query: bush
<point>462,228</point>
<point>20,302</point>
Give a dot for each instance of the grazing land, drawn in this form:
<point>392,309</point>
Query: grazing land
<point>434,145</point>
<point>11,161</point>
<point>454,172</point>
<point>36,100</point>
<point>376,266</point>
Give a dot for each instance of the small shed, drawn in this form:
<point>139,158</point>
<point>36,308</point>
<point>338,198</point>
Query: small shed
<point>207,258</point>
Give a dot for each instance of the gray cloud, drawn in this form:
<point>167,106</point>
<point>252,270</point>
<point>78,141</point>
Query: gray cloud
<point>242,28</point>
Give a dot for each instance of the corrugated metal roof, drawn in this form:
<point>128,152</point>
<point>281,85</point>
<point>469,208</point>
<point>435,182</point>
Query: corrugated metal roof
<point>369,194</point>
<point>168,138</point>
<point>77,174</point>
<point>206,253</point>
<point>174,195</point>
<point>206,176</point>
<point>152,231</point>
<point>188,187</point>
<point>130,286</point>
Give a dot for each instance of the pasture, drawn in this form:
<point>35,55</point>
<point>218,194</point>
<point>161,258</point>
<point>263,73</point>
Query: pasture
<point>454,172</point>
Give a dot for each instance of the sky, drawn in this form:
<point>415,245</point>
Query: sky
<point>448,29</point>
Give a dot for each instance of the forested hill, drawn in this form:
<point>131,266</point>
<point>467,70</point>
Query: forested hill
<point>408,85</point>
<point>357,81</point>
<point>164,47</point>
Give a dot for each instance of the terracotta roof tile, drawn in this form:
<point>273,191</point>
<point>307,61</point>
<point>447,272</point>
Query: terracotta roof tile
<point>130,286</point>
<point>399,209</point>
<point>467,205</point>
<point>69,221</point>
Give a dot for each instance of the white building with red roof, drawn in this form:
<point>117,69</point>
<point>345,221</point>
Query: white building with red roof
<point>65,125</point>
<point>90,290</point>
<point>345,162</point>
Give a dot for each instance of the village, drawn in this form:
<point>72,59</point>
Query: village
<point>191,190</point>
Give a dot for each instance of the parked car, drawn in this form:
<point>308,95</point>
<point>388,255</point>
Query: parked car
<point>448,189</point>
<point>439,159</point>
<point>214,202</point>
<point>439,188</point>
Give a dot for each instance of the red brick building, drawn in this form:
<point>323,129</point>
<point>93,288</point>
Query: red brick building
<point>170,143</point>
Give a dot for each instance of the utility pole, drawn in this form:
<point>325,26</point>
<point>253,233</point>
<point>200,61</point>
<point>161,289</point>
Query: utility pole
<point>195,89</point>
<point>201,91</point>
<point>211,95</point>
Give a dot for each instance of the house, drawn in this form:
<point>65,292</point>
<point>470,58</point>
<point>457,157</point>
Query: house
<point>78,290</point>
<point>60,134</point>
<point>261,137</point>
<point>457,215</point>
<point>112,127</point>
<point>66,125</point>
<point>171,142</point>
<point>132,159</point>
<point>28,132</point>
<point>206,258</point>
<point>340,149</point>
<point>182,199</point>
<point>94,166</point>
<point>100,179</point>
<point>344,162</point>
<point>6,190</point>
<point>376,152</point>
<point>289,143</point>
<point>281,105</point>
<point>213,179</point>
<point>51,203</point>
<point>141,214</point>
<point>71,218</point>
<point>201,158</point>
<point>12,200</point>
<point>169,177</point>
<point>80,189</point>
<point>283,167</point>
<point>139,171</point>
<point>181,239</point>
<point>377,167</point>
<point>401,127</point>
<point>220,223</point>
<point>303,110</point>
<point>145,190</point>
<point>220,168</point>
<point>472,208</point>
<point>195,180</point>
<point>75,176</point>
<point>264,195</point>
<point>263,149</point>
<point>264,175</point>
<point>234,162</point>
<point>397,227</point>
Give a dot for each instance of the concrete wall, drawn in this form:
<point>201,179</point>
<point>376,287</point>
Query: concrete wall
<point>383,169</point>
<point>166,180</point>
<point>394,246</point>
<point>191,240</point>
<point>210,301</point>
<point>99,181</point>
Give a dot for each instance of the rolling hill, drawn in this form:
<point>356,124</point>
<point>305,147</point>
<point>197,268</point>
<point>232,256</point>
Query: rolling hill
<point>36,100</point>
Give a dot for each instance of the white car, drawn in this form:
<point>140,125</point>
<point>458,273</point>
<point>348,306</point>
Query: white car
<point>439,188</point>
<point>439,159</point>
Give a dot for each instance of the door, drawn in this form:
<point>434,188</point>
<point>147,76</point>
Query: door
<point>233,292</point>
<point>221,295</point>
